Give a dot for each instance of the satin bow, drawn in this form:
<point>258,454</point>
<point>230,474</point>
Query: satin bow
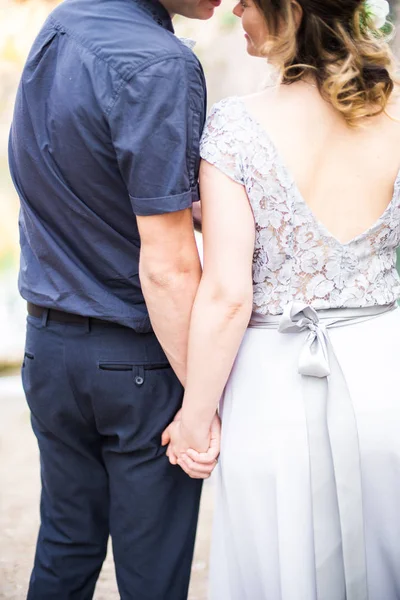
<point>313,359</point>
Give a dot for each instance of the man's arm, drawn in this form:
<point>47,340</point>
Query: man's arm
<point>156,124</point>
<point>170,274</point>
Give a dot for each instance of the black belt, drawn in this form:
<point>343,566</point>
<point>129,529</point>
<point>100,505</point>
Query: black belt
<point>63,317</point>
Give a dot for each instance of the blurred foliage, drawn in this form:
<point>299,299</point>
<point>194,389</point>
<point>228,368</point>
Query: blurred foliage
<point>228,20</point>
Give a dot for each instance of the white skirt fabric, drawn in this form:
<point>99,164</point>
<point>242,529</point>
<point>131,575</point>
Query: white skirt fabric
<point>263,540</point>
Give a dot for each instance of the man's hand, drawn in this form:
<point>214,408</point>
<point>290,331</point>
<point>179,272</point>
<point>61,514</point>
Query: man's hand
<point>166,436</point>
<point>181,451</point>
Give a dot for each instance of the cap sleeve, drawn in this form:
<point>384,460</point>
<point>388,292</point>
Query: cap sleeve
<point>219,144</point>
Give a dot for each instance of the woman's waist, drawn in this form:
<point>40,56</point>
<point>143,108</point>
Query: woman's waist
<point>335,316</point>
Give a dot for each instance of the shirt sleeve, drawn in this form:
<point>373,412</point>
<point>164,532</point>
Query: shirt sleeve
<point>156,124</point>
<point>219,143</point>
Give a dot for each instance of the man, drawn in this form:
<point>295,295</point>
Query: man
<point>104,156</point>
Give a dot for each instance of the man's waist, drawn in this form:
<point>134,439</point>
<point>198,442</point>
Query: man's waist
<point>140,324</point>
<point>60,316</point>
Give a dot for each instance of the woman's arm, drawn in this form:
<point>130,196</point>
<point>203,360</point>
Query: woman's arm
<point>222,307</point>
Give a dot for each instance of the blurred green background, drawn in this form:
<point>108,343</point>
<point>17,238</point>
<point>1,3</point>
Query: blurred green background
<point>221,48</point>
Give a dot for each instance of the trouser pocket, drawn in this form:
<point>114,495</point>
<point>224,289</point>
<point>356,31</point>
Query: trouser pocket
<point>138,371</point>
<point>27,357</point>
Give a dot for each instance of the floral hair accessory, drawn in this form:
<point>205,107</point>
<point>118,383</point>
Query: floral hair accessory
<point>376,12</point>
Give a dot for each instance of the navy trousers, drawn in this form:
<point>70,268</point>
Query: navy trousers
<point>100,397</point>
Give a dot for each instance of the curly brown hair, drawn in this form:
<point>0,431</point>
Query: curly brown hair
<point>336,44</point>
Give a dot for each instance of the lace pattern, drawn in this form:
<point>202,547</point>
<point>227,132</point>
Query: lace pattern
<point>295,257</point>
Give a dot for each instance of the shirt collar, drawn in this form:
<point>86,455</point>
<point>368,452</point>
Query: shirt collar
<point>188,42</point>
<point>157,12</point>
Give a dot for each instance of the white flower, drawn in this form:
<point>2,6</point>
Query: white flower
<point>351,296</point>
<point>374,268</point>
<point>284,275</point>
<point>311,261</point>
<point>258,295</point>
<point>260,267</point>
<point>275,219</point>
<point>319,286</point>
<point>244,135</point>
<point>333,271</point>
<point>307,238</point>
<point>377,11</point>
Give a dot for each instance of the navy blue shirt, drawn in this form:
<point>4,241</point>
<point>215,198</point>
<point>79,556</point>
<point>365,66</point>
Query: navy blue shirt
<point>107,124</point>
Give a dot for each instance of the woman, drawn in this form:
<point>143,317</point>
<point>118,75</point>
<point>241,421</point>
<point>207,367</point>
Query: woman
<point>301,219</point>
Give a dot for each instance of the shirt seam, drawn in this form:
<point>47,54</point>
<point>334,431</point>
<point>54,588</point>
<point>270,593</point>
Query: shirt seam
<point>60,27</point>
<point>192,188</point>
<point>146,65</point>
<point>126,79</point>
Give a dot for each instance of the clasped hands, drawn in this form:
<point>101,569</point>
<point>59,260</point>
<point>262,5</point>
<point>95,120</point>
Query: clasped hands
<point>196,451</point>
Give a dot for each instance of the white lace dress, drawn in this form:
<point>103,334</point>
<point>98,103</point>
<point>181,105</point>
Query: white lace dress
<point>267,543</point>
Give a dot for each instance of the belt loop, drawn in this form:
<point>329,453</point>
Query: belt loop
<point>45,317</point>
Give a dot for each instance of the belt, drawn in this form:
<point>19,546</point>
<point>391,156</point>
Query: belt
<point>338,523</point>
<point>63,317</point>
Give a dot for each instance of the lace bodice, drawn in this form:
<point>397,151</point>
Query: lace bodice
<point>295,257</point>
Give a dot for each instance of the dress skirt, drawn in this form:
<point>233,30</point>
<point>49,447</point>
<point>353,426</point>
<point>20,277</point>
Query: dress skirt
<point>263,545</point>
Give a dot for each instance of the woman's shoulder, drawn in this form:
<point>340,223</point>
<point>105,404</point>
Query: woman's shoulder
<point>226,106</point>
<point>242,102</point>
<point>236,111</point>
<point>220,144</point>
<point>232,120</point>
<point>225,116</point>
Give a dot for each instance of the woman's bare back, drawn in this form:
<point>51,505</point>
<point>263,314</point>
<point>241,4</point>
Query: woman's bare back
<point>345,175</point>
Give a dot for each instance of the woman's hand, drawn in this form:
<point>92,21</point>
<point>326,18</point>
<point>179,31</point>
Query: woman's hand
<point>195,451</point>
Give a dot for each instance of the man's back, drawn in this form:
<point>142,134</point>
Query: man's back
<point>82,157</point>
<point>104,155</point>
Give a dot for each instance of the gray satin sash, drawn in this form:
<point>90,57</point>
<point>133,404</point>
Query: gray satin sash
<point>338,522</point>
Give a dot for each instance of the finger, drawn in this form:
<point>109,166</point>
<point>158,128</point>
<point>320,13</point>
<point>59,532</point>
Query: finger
<point>190,472</point>
<point>173,459</point>
<point>215,440</point>
<point>165,437</point>
<point>201,469</point>
<point>171,455</point>
<point>215,432</point>
<point>195,466</point>
<point>205,458</point>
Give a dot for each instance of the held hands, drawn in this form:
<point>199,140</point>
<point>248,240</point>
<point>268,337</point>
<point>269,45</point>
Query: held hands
<point>181,441</point>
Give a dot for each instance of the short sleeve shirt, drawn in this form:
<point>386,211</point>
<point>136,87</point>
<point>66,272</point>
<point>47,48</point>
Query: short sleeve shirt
<point>107,124</point>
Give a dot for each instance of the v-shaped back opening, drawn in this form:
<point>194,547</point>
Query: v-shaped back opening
<point>325,230</point>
